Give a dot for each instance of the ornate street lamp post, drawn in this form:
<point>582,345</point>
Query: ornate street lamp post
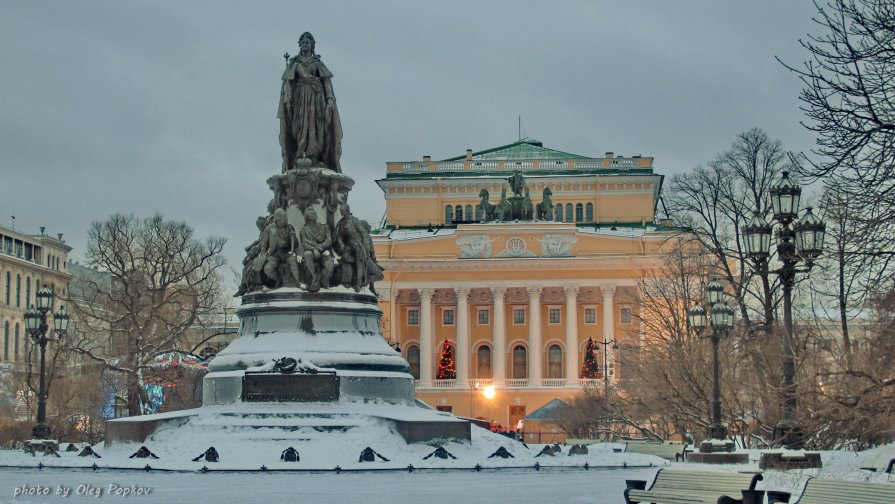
<point>797,241</point>
<point>606,344</point>
<point>36,325</point>
<point>720,317</point>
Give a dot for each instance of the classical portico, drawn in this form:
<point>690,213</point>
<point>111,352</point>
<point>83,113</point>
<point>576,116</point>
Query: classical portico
<point>516,293</point>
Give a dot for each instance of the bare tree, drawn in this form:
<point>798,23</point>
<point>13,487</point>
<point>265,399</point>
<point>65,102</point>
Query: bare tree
<point>849,104</point>
<point>160,282</point>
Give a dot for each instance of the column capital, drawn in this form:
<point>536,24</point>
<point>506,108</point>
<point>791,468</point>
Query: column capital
<point>385,293</point>
<point>607,290</point>
<point>426,293</point>
<point>498,291</point>
<point>571,291</point>
<point>534,291</point>
<point>462,292</point>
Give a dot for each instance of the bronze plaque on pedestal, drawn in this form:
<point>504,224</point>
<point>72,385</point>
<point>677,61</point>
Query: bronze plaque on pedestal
<point>290,388</point>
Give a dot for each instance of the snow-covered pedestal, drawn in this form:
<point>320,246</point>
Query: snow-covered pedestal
<point>345,373</point>
<point>330,331</point>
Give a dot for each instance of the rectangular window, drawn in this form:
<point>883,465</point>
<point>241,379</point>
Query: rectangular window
<point>626,314</point>
<point>484,316</point>
<point>518,316</point>
<point>590,315</point>
<point>553,315</point>
<point>447,316</point>
<point>413,317</point>
<point>446,409</point>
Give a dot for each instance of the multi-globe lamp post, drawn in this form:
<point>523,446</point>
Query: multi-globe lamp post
<point>718,316</point>
<point>38,329</point>
<point>798,240</point>
<point>606,343</point>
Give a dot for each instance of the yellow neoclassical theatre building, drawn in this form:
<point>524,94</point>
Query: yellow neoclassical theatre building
<point>515,295</point>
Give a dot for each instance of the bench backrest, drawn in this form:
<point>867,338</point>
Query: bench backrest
<point>819,491</point>
<point>722,483</point>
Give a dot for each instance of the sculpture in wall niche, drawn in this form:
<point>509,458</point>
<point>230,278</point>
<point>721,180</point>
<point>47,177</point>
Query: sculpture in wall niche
<point>279,243</point>
<point>544,210</point>
<point>557,245</point>
<point>474,247</point>
<point>317,259</point>
<point>517,183</point>
<point>310,129</point>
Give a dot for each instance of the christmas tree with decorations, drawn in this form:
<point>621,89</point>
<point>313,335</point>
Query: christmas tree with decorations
<point>447,366</point>
<point>590,368</point>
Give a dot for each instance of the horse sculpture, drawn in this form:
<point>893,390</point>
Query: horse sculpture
<point>504,210</point>
<point>527,206</point>
<point>485,205</point>
<point>544,209</point>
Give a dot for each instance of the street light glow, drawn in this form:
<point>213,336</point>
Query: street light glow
<point>489,392</point>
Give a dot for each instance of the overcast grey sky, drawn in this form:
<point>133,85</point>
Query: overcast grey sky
<point>111,106</point>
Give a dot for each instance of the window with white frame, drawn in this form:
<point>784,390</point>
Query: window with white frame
<point>553,315</point>
<point>590,315</point>
<point>413,317</point>
<point>484,316</point>
<point>447,316</point>
<point>625,314</point>
<point>518,316</point>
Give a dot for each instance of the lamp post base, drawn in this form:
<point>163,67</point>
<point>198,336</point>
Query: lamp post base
<point>41,431</point>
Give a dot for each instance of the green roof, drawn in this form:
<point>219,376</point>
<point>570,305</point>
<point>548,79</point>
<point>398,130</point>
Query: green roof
<point>527,148</point>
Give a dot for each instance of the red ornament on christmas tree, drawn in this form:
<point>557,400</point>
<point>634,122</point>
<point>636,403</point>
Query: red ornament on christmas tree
<point>590,368</point>
<point>447,366</point>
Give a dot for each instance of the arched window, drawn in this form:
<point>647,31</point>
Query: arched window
<point>520,362</point>
<point>458,213</point>
<point>413,358</point>
<point>15,349</point>
<point>579,212</point>
<point>8,281</point>
<point>479,213</point>
<point>6,340</point>
<point>558,216</point>
<point>448,214</point>
<point>569,213</point>
<point>469,216</point>
<point>589,212</point>
<point>483,362</point>
<point>18,291</point>
<point>27,292</point>
<point>554,362</point>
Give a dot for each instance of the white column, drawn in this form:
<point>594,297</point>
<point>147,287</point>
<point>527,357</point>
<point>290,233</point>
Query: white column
<point>462,322</point>
<point>609,322</point>
<point>499,337</point>
<point>426,350</point>
<point>571,335</point>
<point>534,337</point>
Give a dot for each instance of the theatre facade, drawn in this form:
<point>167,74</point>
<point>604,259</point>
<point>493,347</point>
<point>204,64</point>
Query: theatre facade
<point>475,257</point>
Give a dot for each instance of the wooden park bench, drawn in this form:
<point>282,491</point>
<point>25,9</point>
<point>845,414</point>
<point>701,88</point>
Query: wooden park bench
<point>697,487</point>
<point>670,450</point>
<point>818,491</point>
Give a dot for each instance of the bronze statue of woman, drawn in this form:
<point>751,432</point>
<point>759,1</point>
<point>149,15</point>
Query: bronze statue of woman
<point>310,129</point>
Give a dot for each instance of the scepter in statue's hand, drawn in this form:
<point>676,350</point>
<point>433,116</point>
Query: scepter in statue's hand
<point>286,57</point>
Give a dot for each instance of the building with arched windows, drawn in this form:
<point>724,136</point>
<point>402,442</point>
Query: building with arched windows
<point>516,300</point>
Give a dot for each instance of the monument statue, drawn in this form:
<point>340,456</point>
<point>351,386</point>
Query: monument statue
<point>310,129</point>
<point>517,183</point>
<point>280,246</point>
<point>316,241</point>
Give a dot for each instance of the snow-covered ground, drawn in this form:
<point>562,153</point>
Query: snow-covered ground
<point>249,436</point>
<point>569,483</point>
